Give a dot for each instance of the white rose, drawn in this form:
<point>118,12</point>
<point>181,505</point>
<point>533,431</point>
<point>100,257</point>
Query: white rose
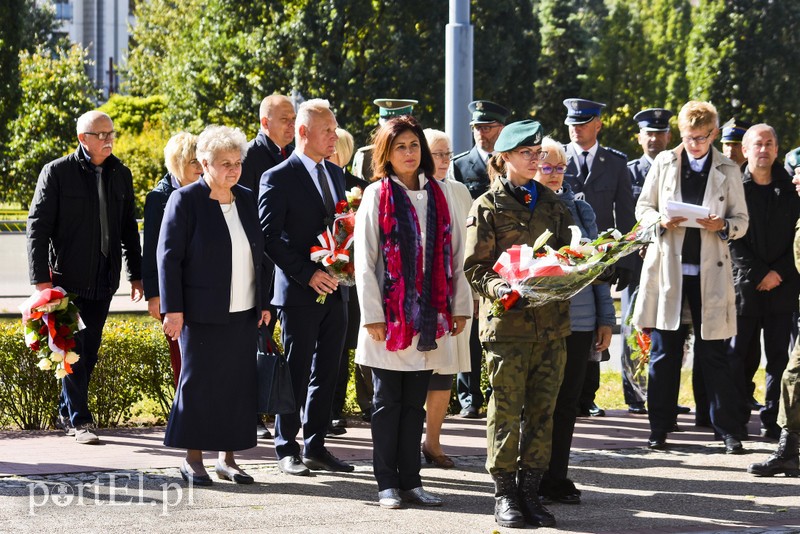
<point>72,357</point>
<point>57,357</point>
<point>44,364</point>
<point>61,373</point>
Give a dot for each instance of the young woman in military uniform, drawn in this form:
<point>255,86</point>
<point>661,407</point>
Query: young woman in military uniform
<point>525,348</point>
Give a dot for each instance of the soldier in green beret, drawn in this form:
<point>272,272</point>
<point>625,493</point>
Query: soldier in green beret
<point>525,350</point>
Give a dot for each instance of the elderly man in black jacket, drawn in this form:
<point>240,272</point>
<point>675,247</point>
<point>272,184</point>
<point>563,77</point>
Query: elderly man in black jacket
<point>81,223</point>
<point>767,283</point>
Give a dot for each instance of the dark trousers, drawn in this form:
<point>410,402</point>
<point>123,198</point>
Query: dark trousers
<point>313,337</point>
<point>340,391</point>
<point>710,355</point>
<point>777,332</point>
<point>397,427</point>
<point>468,385</point>
<point>591,383</point>
<point>579,344</point>
<point>74,399</point>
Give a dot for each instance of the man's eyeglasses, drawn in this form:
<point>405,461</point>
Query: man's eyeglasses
<point>548,169</point>
<point>699,140</point>
<point>485,128</point>
<point>527,154</point>
<point>446,156</point>
<point>103,135</point>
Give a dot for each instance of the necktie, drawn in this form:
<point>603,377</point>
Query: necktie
<point>103,204</point>
<point>283,153</point>
<point>584,165</point>
<point>327,198</point>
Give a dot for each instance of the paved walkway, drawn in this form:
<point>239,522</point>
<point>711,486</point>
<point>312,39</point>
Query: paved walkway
<point>130,483</point>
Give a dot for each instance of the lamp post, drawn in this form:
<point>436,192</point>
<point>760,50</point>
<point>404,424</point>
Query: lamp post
<point>458,75</point>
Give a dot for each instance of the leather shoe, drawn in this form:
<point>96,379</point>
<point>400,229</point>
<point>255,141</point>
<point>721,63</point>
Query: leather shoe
<point>733,445</point>
<point>327,462</point>
<point>262,432</point>
<point>470,412</point>
<point>421,497</point>
<point>291,465</point>
<point>336,430</point>
<point>657,441</point>
<point>191,478</point>
<point>340,422</point>
<point>442,461</point>
<point>390,498</point>
<point>676,428</point>
<point>226,472</point>
<point>596,411</point>
<point>683,409</point>
<point>637,408</point>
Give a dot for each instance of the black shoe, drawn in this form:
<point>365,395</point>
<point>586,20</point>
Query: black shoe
<point>756,406</point>
<point>334,431</point>
<point>327,462</point>
<point>683,409</point>
<point>583,411</point>
<point>657,441</point>
<point>733,445</point>
<point>561,491</point>
<point>291,465</point>
<point>262,432</point>
<point>771,432</point>
<point>785,460</point>
<point>637,408</point>
<point>596,411</point>
<point>226,472</point>
<point>339,422</point>
<point>676,428</point>
<point>196,480</point>
<point>367,416</point>
<point>470,412</point>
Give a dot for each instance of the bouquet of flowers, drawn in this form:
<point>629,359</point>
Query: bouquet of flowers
<point>555,275</point>
<point>335,250</point>
<point>639,342</point>
<point>51,321</point>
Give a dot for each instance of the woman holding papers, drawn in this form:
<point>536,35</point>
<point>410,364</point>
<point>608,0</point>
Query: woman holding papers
<point>687,269</point>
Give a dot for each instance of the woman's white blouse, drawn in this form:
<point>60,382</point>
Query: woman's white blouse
<point>243,274</point>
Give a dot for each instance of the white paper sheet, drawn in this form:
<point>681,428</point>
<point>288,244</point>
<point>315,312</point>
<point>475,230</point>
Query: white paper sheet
<point>690,211</point>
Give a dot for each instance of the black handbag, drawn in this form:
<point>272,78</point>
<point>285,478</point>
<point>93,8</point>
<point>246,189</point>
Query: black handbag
<point>275,392</point>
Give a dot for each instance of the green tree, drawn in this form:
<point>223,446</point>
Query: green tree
<point>740,58</point>
<point>55,91</point>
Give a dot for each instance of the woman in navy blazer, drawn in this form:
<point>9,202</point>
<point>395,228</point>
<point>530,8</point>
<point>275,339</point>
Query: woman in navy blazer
<point>210,255</point>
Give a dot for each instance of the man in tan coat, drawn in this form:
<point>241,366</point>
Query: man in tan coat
<point>688,264</point>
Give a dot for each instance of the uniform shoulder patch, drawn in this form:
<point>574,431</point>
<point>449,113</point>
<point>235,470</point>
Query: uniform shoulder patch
<point>472,221</point>
<point>459,156</point>
<point>616,152</point>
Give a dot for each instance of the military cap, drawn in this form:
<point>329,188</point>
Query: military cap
<point>653,119</point>
<point>521,133</point>
<point>733,130</point>
<point>393,107</point>
<point>793,159</point>
<point>485,112</point>
<point>581,111</point>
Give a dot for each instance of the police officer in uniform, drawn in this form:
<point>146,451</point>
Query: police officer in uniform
<point>487,122</point>
<point>599,176</point>
<point>732,133</point>
<point>387,108</point>
<point>525,349</point>
<point>654,137</point>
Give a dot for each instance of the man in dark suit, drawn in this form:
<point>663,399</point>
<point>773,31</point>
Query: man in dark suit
<point>600,176</point>
<point>296,203</point>
<point>271,146</point>
<point>81,223</point>
<point>488,120</point>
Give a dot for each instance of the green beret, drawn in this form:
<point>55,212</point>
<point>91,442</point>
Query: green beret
<point>516,134</point>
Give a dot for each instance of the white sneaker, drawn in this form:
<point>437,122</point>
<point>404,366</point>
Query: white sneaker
<point>84,434</point>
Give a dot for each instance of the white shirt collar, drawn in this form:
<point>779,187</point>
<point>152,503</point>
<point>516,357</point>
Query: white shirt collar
<point>483,153</point>
<point>310,164</point>
<point>592,151</point>
<point>698,164</point>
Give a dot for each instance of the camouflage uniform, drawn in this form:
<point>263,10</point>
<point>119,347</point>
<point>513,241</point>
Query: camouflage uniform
<point>525,347</point>
<point>789,409</point>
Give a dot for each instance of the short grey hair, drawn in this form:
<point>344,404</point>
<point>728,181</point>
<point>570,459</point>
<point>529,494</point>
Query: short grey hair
<point>215,139</point>
<point>316,107</point>
<point>86,120</point>
<point>180,150</point>
<point>551,145</point>
<point>754,128</point>
<point>433,136</point>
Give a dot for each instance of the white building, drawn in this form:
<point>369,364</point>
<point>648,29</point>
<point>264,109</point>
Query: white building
<point>100,26</point>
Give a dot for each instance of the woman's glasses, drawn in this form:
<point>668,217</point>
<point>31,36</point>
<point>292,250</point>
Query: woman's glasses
<point>548,169</point>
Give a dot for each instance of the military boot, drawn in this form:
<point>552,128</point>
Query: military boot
<point>506,506</point>
<point>532,508</point>
<point>784,460</point>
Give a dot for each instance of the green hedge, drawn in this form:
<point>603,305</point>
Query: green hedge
<point>133,365</point>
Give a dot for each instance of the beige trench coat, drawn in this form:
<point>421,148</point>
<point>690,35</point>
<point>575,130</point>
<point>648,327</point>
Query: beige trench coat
<point>660,292</point>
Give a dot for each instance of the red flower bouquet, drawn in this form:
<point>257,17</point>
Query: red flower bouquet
<point>335,251</point>
<point>51,321</point>
<point>555,275</point>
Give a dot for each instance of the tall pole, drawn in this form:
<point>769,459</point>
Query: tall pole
<point>458,76</point>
